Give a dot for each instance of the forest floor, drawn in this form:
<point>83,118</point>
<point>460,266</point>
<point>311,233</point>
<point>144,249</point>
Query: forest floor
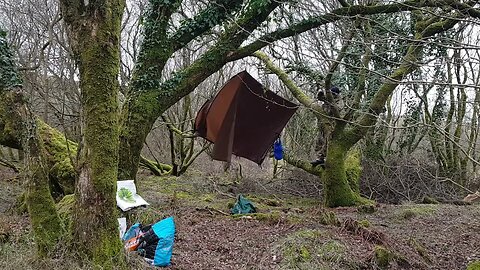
<point>291,230</point>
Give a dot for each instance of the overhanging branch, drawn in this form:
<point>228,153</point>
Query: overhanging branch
<point>291,86</point>
<point>185,81</point>
<point>215,13</point>
<point>344,12</point>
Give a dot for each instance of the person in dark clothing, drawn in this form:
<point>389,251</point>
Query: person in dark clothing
<point>320,161</point>
<point>323,137</point>
<point>334,90</point>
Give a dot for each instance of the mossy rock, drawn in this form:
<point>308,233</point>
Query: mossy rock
<point>383,256</point>
<point>475,265</point>
<point>273,217</point>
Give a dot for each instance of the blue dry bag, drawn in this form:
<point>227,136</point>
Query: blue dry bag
<point>278,149</point>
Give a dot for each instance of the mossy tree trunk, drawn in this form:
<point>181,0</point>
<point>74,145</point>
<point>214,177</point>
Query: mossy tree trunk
<point>337,190</point>
<point>39,201</point>
<point>18,128</point>
<point>94,35</point>
<point>346,138</point>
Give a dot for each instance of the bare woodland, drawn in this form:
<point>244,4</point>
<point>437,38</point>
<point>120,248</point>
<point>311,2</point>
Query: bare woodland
<point>92,92</point>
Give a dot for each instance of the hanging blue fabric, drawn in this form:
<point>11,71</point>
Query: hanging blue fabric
<point>278,149</point>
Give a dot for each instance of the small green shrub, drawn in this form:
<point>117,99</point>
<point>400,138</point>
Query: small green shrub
<point>475,265</point>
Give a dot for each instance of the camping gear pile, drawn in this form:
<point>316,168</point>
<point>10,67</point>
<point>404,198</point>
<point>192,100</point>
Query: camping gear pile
<point>153,242</point>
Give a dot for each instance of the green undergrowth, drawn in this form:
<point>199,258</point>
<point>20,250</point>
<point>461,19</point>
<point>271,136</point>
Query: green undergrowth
<point>383,256</point>
<point>364,223</point>
<point>328,218</point>
<point>421,250</point>
<point>386,258</point>
<point>64,209</point>
<point>314,249</point>
<point>412,211</point>
<point>189,191</point>
<point>195,192</point>
<point>475,265</point>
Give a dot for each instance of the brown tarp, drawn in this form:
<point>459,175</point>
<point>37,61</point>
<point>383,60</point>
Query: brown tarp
<point>243,119</point>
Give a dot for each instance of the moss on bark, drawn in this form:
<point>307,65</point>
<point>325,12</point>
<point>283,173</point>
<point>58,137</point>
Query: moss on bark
<point>158,169</point>
<point>41,208</point>
<point>18,129</point>
<point>65,211</point>
<point>59,151</point>
<point>95,37</point>
<point>40,205</point>
<point>353,169</point>
<point>338,190</point>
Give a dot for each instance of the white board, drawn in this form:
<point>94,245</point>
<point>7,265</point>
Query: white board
<point>135,201</point>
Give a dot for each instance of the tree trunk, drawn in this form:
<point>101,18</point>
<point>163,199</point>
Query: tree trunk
<point>94,32</point>
<point>138,121</point>
<point>44,219</point>
<point>337,190</point>
<point>18,129</point>
<point>40,205</point>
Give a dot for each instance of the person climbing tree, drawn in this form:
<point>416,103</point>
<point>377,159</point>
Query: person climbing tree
<point>323,135</point>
